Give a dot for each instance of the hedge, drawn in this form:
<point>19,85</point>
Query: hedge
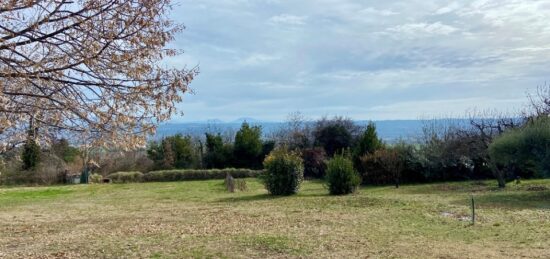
<point>126,177</point>
<point>198,174</point>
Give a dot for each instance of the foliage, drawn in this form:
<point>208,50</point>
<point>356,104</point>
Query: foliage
<point>121,92</point>
<point>334,135</point>
<point>126,177</point>
<point>394,164</point>
<point>284,172</point>
<point>62,149</point>
<point>30,155</point>
<point>367,143</point>
<point>49,171</point>
<point>197,174</point>
<point>524,151</point>
<point>218,154</point>
<point>450,151</point>
<point>173,152</point>
<point>248,147</point>
<point>314,162</point>
<point>341,177</point>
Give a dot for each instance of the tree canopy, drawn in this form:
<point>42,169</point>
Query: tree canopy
<point>90,67</point>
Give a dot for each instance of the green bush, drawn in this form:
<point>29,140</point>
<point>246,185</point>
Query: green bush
<point>524,151</point>
<point>341,176</point>
<point>284,172</point>
<point>126,177</point>
<point>191,174</point>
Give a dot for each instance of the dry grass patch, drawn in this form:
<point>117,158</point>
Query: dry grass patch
<point>200,219</point>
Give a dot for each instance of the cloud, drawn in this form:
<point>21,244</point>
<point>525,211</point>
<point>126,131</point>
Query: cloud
<point>417,29</point>
<point>258,59</point>
<point>374,11</point>
<point>365,59</point>
<point>448,8</point>
<point>287,19</point>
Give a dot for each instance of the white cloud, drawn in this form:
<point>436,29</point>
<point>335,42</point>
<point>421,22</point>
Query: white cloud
<point>362,58</point>
<point>259,59</point>
<point>448,8</point>
<point>374,11</point>
<point>422,28</point>
<point>287,19</point>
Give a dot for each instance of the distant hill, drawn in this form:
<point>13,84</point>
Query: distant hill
<point>390,130</point>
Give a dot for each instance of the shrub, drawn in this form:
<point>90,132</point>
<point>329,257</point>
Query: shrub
<point>96,178</point>
<point>335,135</point>
<point>523,152</point>
<point>126,177</point>
<point>49,171</point>
<point>284,172</point>
<point>314,162</point>
<point>124,161</point>
<point>392,165</point>
<point>191,174</point>
<point>341,176</point>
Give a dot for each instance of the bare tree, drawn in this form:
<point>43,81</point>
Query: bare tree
<point>486,126</point>
<point>90,67</point>
<point>539,102</point>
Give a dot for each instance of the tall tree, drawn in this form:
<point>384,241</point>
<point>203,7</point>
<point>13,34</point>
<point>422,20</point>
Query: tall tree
<point>90,67</point>
<point>248,147</point>
<point>368,143</point>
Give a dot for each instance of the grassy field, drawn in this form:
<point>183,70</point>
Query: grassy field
<point>199,219</point>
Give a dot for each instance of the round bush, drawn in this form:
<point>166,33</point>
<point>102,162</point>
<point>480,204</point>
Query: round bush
<point>284,172</point>
<point>341,176</point>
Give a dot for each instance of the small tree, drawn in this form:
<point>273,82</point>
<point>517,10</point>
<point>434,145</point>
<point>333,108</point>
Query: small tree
<point>284,172</point>
<point>334,135</point>
<point>341,176</point>
<point>248,147</point>
<point>30,155</point>
<point>367,143</point>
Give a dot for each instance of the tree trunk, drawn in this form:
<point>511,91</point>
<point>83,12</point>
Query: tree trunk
<point>397,183</point>
<point>499,175</point>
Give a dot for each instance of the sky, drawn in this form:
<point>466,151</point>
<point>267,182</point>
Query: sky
<point>378,60</point>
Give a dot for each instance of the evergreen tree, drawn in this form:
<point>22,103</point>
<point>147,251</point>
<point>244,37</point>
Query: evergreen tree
<point>248,147</point>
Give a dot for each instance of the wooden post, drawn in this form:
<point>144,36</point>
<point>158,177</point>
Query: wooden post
<point>473,211</point>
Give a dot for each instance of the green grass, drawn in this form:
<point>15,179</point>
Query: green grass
<point>199,219</point>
